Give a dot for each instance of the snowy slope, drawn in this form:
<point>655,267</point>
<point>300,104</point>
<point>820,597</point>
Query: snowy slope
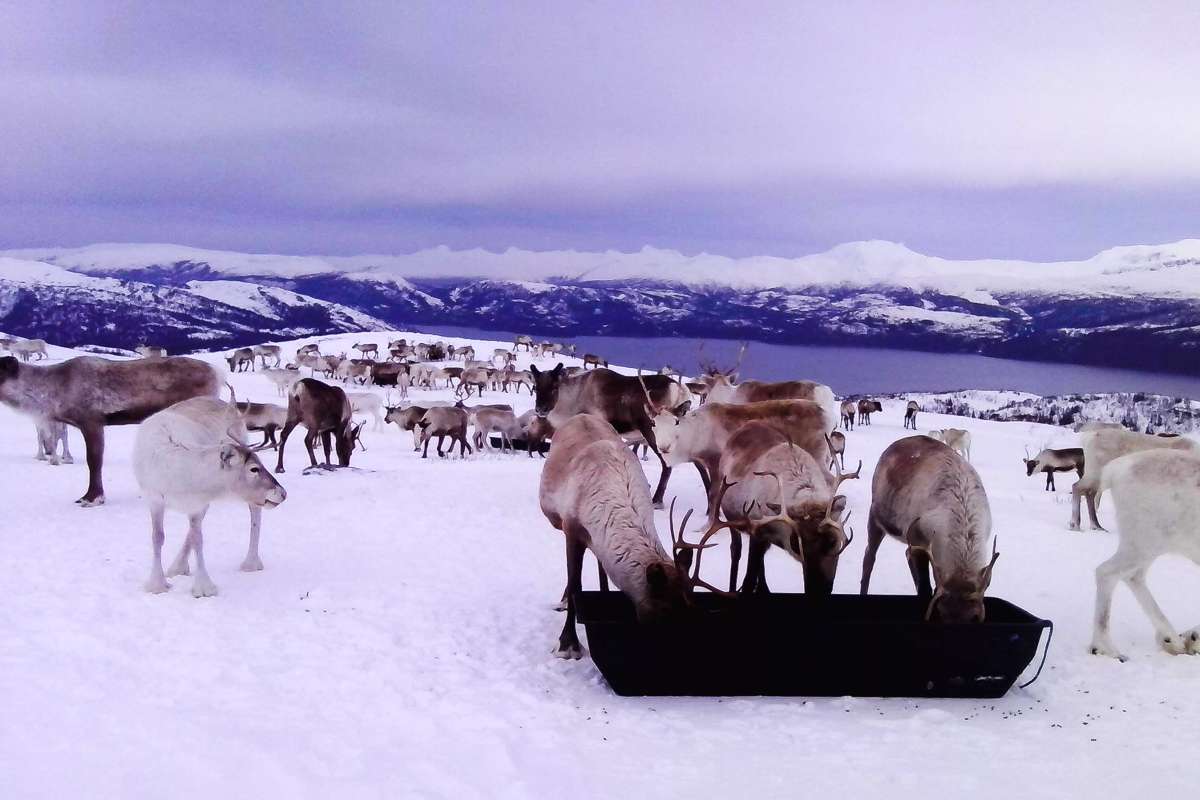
<point>398,644</point>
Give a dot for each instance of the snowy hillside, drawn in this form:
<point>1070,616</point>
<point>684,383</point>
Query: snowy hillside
<point>398,645</point>
<point>1129,306</point>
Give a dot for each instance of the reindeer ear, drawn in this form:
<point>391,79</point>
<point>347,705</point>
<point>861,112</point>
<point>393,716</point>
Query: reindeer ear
<point>227,454</point>
<point>682,408</point>
<point>837,507</point>
<point>534,370</point>
<point>656,578</point>
<point>558,369</point>
<point>915,536</point>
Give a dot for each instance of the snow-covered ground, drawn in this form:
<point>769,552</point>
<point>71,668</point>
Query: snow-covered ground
<point>398,645</point>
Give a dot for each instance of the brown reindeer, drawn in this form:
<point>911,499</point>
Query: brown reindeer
<point>848,409</point>
<point>90,393</point>
<point>1051,461</point>
<point>867,407</point>
<point>618,399</point>
<point>910,414</point>
<point>326,412</point>
<point>594,361</point>
<point>369,350</point>
<point>241,359</point>
<point>442,421</point>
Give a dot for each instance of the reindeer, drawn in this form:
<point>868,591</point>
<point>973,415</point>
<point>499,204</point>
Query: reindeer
<point>1158,505</point>
<point>1102,446</point>
<point>848,409</point>
<point>271,351</point>
<point>388,374</point>
<point>491,420</point>
<point>519,377</point>
<point>476,377</point>
<point>594,491</point>
<point>29,347</point>
<point>837,449</point>
<point>1052,461</point>
<point>720,384</point>
<point>505,357</point>
<point>535,430</point>
<point>523,341</point>
<point>329,364</point>
<point>351,371</point>
<point>367,403</point>
<point>368,350</point>
<point>956,439</point>
<point>314,362</point>
<point>465,353</point>
<point>186,456</point>
<point>149,351</point>
<point>442,422</point>
<point>401,353</point>
<point>266,418</point>
<point>91,393</point>
<point>594,361</point>
<point>406,419</point>
<point>760,464</point>
<point>617,398</point>
<point>50,434</point>
<point>326,412</point>
<point>241,359</point>
<point>308,350</point>
<point>867,407</point>
<point>925,494</point>
<point>910,414</point>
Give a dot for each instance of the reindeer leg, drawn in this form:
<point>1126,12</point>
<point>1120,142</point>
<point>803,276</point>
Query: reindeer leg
<point>1168,640</point>
<point>202,585</point>
<point>157,582</point>
<point>1108,574</point>
<point>310,439</point>
<point>875,534</point>
<point>755,566</point>
<point>918,565</point>
<point>252,562</point>
<point>93,442</point>
<point>180,565</point>
<point>602,576</point>
<point>735,558</point>
<point>326,445</point>
<point>283,437</point>
<point>1091,504</point>
<point>568,640</point>
<point>1076,493</point>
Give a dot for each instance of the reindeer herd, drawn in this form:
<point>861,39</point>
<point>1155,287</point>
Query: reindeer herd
<point>770,456</point>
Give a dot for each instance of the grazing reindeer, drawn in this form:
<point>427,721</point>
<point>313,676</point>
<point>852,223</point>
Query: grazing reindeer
<point>266,418</point>
<point>619,399</point>
<point>594,361</point>
<point>329,364</point>
<point>354,372</point>
<point>1158,504</point>
<point>241,359</point>
<point>271,351</point>
<point>594,491</point>
<point>492,420</point>
<point>1052,461</point>
<point>149,351</point>
<point>308,350</point>
<point>472,377</point>
<point>956,439</point>
<point>928,497</point>
<point>523,341</point>
<point>778,494</point>
<point>91,393</point>
<point>185,457</point>
<point>50,434</point>
<point>368,350</point>
<point>867,407</point>
<point>910,414</point>
<point>388,374</point>
<point>326,412</point>
<point>837,449</point>
<point>848,409</point>
<point>466,353</point>
<point>1102,446</point>
<point>314,362</point>
<point>406,419</point>
<point>29,347</point>
<point>442,422</point>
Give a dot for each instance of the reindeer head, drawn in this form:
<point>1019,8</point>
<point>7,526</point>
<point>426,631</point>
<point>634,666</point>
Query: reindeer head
<point>666,595</point>
<point>9,368</point>
<point>344,443</point>
<point>958,596</point>
<point>664,419</point>
<point>1030,464</point>
<point>546,384</point>
<point>250,480</point>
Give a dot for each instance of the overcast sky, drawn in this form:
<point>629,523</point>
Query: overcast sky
<point>1048,130</point>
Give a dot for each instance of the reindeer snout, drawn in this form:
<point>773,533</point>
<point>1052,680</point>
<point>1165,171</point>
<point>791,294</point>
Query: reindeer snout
<point>276,496</point>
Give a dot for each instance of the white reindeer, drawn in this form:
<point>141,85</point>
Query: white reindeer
<point>184,458</point>
<point>1158,512</point>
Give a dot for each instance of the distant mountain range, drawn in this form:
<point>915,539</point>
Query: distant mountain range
<point>1130,306</point>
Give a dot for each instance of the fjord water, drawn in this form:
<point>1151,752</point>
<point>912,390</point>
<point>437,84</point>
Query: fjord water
<point>860,370</point>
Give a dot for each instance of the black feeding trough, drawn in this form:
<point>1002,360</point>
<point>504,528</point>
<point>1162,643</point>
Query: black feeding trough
<point>795,644</point>
<point>519,444</point>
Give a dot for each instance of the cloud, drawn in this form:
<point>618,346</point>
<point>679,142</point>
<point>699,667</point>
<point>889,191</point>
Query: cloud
<point>768,125</point>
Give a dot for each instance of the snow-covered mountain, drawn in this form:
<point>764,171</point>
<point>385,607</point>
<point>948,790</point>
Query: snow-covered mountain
<point>1133,306</point>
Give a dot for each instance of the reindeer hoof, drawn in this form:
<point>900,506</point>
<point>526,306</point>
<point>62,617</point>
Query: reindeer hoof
<point>90,502</point>
<point>280,470</point>
<point>1192,638</point>
<point>251,564</point>
<point>572,652</point>
<point>204,589</point>
<point>658,504</point>
<point>157,586</point>
<point>1175,645</point>
<point>1105,650</point>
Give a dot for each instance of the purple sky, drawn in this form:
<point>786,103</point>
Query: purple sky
<point>960,129</point>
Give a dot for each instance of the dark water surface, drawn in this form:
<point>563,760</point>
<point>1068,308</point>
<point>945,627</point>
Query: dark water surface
<point>859,370</point>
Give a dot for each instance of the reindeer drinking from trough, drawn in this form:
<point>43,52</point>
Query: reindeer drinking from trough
<point>925,495</point>
<point>1157,496</point>
<point>594,491</point>
<point>1051,461</point>
<point>325,412</point>
<point>779,494</point>
<point>187,456</point>
<point>618,399</point>
<point>90,393</point>
<point>1103,445</point>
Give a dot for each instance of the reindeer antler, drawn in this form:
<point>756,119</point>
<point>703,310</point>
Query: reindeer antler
<point>714,527</point>
<point>654,409</point>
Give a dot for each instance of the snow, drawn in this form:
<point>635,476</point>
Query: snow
<point>1162,270</point>
<point>398,644</point>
